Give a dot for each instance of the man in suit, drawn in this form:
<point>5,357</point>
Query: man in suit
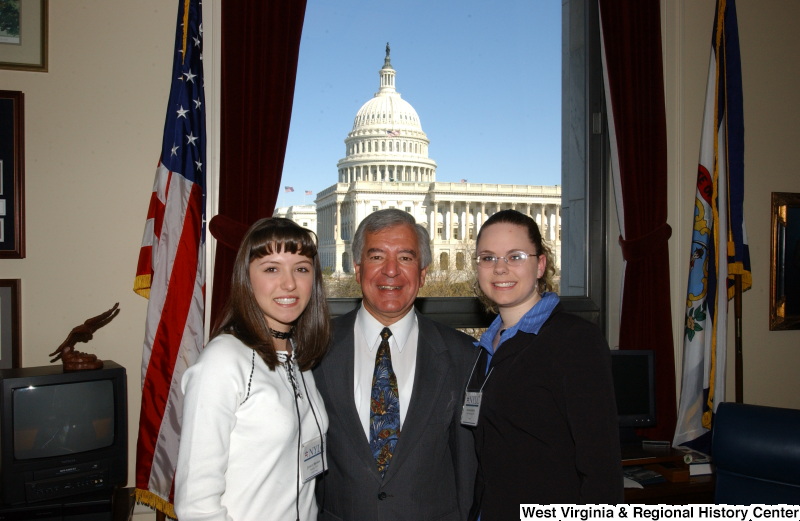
<point>423,468</point>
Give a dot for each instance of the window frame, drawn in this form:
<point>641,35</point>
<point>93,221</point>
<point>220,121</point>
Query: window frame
<point>580,20</point>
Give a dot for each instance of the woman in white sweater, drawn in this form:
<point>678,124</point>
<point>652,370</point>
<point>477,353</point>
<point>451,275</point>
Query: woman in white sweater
<point>253,421</point>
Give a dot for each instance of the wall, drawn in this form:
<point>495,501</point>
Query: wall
<point>93,127</point>
<point>93,130</point>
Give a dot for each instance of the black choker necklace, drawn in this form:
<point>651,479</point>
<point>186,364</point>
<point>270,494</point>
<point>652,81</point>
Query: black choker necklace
<point>282,335</point>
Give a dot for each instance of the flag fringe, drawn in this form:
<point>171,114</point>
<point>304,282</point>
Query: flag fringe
<point>141,285</point>
<point>148,499</point>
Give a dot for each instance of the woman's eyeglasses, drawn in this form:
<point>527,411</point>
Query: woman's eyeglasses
<point>514,258</point>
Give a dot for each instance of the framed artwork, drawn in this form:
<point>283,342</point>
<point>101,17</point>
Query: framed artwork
<point>12,175</point>
<point>23,35</point>
<point>10,324</point>
<point>784,302</point>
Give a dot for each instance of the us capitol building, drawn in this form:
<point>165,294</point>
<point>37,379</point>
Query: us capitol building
<point>387,166</point>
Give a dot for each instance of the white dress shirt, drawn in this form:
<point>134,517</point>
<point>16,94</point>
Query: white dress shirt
<point>403,346</point>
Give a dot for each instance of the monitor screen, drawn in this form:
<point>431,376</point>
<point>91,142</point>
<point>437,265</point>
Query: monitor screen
<point>634,385</point>
<point>62,419</point>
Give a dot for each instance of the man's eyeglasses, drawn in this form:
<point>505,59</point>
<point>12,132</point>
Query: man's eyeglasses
<point>514,258</point>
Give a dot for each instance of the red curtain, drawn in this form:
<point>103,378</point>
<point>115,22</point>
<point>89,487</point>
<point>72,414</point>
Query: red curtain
<point>631,31</point>
<point>260,47</point>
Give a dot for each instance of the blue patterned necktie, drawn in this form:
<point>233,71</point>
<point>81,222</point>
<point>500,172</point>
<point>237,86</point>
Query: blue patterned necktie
<point>384,411</point>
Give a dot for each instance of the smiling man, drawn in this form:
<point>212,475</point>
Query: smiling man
<point>393,384</point>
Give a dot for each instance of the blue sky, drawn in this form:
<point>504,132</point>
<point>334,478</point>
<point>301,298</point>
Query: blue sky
<point>484,78</point>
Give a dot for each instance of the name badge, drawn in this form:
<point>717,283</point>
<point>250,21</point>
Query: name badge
<point>471,408</point>
<point>314,459</point>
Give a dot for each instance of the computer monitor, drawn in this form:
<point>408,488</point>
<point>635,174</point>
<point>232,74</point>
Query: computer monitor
<point>633,372</point>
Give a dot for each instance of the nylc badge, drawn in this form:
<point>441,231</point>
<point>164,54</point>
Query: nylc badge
<point>314,459</point>
<point>471,408</point>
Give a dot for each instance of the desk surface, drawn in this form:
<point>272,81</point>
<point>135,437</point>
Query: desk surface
<point>698,490</point>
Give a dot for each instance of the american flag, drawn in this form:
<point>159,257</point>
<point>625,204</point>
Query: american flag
<point>309,192</point>
<point>171,268</point>
<point>392,133</point>
<point>288,189</point>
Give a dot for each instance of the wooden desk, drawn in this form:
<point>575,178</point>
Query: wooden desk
<point>698,490</point>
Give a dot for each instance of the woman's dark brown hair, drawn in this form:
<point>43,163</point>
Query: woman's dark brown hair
<point>242,316</point>
<point>545,283</point>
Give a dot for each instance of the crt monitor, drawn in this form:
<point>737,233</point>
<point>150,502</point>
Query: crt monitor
<point>62,433</point>
<point>633,372</point>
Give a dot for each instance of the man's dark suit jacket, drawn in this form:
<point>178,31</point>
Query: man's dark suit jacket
<point>433,468</point>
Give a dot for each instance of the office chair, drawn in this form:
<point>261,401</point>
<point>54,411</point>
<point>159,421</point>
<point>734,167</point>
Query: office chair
<point>756,453</point>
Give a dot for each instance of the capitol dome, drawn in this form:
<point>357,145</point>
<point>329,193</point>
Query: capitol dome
<point>387,110</point>
<point>387,143</point>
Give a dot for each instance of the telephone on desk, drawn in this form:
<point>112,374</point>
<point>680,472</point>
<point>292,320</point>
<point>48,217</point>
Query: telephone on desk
<point>645,450</point>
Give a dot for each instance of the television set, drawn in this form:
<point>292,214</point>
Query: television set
<point>62,433</point>
<point>633,372</point>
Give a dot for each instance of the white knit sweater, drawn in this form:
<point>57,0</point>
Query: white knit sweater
<point>238,457</point>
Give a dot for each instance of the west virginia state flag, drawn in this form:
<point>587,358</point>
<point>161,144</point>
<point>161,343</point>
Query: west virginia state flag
<point>719,241</point>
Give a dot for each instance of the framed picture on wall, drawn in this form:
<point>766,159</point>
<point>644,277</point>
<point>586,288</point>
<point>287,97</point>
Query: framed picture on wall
<point>12,175</point>
<point>784,308</point>
<point>10,323</point>
<point>23,35</point>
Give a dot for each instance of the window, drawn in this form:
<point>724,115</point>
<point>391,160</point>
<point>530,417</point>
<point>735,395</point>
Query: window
<point>460,261</point>
<point>444,261</point>
<point>583,214</point>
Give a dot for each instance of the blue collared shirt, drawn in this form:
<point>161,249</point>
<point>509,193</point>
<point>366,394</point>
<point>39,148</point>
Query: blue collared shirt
<point>531,322</point>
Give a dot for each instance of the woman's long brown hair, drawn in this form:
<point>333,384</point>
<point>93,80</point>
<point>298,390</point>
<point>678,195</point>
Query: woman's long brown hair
<point>242,316</point>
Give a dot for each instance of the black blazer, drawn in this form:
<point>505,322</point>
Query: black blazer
<point>547,430</point>
<point>433,466</point>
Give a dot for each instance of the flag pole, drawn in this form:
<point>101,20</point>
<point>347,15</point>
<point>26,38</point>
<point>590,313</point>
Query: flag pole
<point>737,310</point>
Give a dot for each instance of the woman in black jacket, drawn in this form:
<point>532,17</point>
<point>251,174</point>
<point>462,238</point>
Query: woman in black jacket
<point>546,426</point>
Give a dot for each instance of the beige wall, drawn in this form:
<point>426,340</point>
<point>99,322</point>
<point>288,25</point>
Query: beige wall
<point>93,127</point>
<point>93,130</point>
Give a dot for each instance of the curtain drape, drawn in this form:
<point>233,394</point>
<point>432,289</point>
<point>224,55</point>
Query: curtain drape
<point>260,46</point>
<point>631,32</point>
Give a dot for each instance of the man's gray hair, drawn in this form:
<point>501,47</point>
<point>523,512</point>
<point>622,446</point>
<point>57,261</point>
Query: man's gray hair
<point>388,218</point>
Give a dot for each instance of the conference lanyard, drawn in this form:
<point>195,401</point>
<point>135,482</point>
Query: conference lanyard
<point>472,399</point>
